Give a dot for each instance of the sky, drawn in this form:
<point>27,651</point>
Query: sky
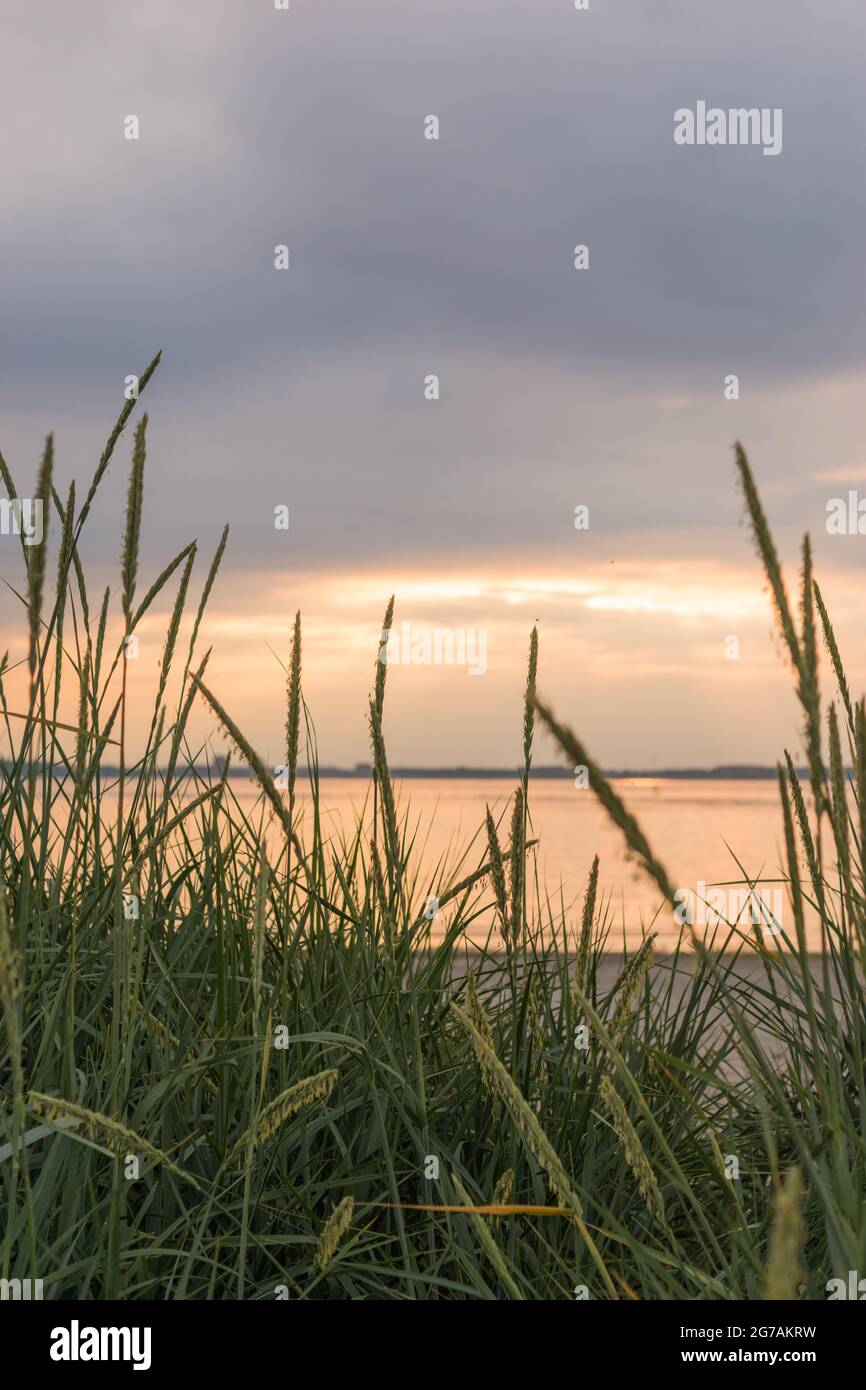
<point>409,257</point>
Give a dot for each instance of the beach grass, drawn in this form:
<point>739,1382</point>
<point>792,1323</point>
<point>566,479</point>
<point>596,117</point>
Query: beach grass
<point>234,1072</point>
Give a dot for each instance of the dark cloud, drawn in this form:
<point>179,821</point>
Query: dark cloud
<point>411,257</point>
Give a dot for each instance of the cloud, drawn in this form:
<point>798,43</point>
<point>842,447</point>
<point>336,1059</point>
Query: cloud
<point>841,475</point>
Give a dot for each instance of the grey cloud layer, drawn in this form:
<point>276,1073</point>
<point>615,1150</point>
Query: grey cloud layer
<point>410,257</point>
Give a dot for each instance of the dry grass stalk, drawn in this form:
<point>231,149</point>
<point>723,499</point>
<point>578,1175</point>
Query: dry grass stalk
<point>303,1093</point>
<point>333,1231</point>
<point>635,1156</point>
<point>783,1273</point>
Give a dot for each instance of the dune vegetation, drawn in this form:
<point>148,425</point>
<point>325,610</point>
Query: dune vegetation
<point>236,1063</point>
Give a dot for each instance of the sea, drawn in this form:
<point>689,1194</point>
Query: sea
<point>714,837</point>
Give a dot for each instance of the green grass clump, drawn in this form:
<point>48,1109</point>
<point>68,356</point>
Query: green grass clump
<point>229,1071</point>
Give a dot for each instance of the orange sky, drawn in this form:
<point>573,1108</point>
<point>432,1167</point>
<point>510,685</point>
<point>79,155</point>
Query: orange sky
<point>633,656</point>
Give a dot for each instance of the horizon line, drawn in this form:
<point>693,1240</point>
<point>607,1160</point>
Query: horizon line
<point>731,772</point>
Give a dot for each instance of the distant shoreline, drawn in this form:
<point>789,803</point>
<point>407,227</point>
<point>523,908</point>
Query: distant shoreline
<point>734,773</point>
<point>362,772</point>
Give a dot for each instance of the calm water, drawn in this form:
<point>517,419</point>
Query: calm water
<point>687,823</point>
